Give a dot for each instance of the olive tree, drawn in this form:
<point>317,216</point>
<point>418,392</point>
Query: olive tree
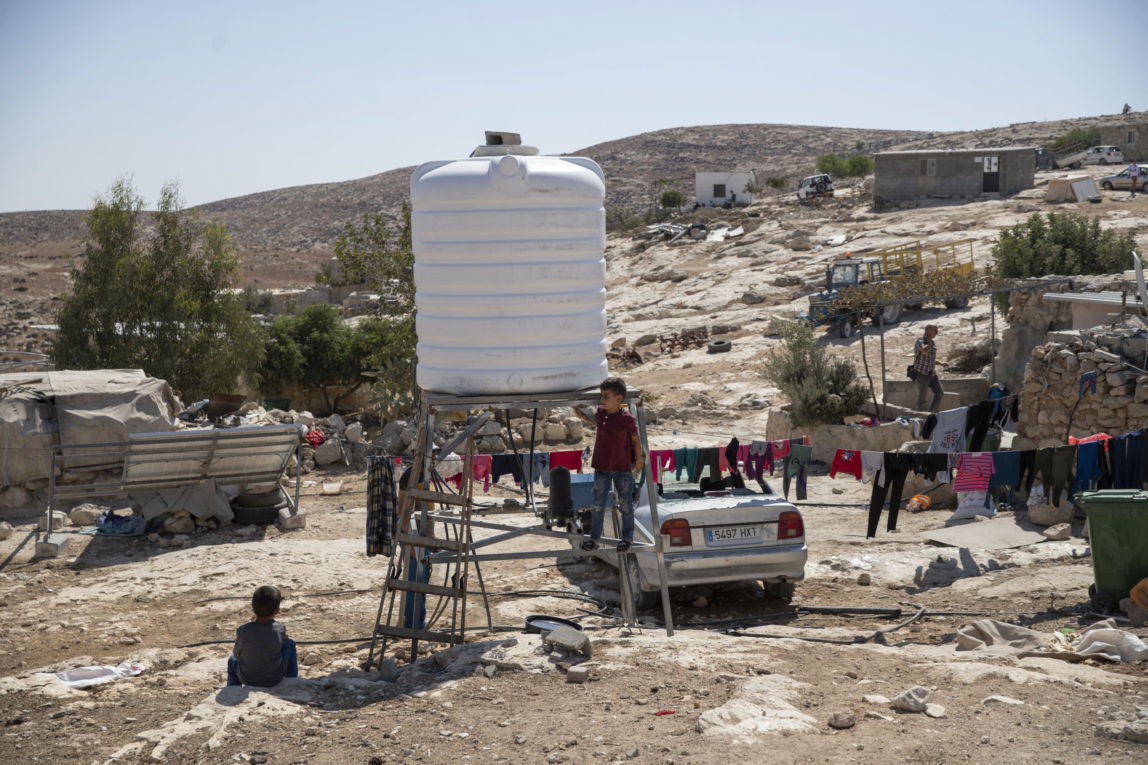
<point>152,291</point>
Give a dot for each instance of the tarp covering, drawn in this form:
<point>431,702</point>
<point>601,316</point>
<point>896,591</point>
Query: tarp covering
<point>41,409</point>
<point>1078,188</point>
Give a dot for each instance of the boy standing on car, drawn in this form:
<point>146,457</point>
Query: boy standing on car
<point>617,456</point>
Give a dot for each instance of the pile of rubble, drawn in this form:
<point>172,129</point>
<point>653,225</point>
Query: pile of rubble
<point>1055,394</point>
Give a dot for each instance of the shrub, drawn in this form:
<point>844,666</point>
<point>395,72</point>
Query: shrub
<point>853,166</point>
<point>1077,137</point>
<point>1064,243</point>
<point>672,198</point>
<point>820,389</point>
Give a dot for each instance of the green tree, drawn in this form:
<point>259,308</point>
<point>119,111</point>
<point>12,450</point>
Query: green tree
<point>853,166</point>
<point>858,165</point>
<point>820,389</point>
<point>672,198</point>
<point>386,263</point>
<point>777,183</point>
<point>157,299</point>
<point>1062,243</point>
<point>1077,137</point>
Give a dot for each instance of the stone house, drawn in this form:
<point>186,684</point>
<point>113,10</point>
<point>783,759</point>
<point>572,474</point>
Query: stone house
<point>1131,137</point>
<point>953,173</point>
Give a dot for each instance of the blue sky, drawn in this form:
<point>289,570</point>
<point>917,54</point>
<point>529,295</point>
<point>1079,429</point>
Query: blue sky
<point>230,98</point>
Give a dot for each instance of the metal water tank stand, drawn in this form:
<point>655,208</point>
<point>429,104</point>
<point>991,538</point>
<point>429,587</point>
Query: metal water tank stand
<point>439,402</point>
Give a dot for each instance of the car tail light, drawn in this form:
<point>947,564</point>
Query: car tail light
<point>790,525</point>
<point>678,530</point>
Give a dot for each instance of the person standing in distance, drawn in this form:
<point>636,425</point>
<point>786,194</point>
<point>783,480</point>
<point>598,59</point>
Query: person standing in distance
<point>617,456</point>
<point>1134,176</point>
<point>924,364</point>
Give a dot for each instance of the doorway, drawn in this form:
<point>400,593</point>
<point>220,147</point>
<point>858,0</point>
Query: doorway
<point>990,175</point>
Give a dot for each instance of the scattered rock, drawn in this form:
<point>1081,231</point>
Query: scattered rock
<point>569,640</point>
<point>578,674</point>
<point>311,658</point>
<point>85,515</point>
<point>5,530</point>
<point>354,432</point>
<point>179,523</point>
<point>873,698</point>
<point>913,700</point>
<point>752,298</point>
<point>328,452</point>
<point>864,579</point>
<point>842,719</point>
<point>388,671</point>
<point>700,602</point>
<point>871,715</point>
<point>59,519</point>
<point>520,739</point>
<point>1059,532</point>
<point>1000,700</point>
<point>1135,731</point>
<point>935,710</point>
<point>787,280</point>
<point>646,340</point>
<point>14,496</point>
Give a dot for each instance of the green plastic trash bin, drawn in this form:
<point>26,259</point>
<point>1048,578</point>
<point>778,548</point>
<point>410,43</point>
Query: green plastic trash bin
<point>1118,533</point>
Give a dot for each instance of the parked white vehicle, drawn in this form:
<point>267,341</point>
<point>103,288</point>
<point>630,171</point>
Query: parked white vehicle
<point>1104,155</point>
<point>814,186</point>
<point>730,535</point>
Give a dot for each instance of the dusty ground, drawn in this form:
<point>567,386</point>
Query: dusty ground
<point>113,600</point>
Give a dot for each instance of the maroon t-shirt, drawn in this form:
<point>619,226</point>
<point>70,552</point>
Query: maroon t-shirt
<point>613,449</point>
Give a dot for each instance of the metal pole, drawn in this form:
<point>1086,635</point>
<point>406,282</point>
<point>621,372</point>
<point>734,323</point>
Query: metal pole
<point>655,523</point>
<point>884,397</point>
<point>993,337</point>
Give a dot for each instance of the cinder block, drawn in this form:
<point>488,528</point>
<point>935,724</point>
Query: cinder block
<point>289,520</point>
<point>52,545</point>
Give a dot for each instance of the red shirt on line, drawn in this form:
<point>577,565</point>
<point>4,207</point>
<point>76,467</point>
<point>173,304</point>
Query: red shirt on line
<point>613,448</point>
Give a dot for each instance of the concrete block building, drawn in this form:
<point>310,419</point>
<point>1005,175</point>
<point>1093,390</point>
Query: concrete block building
<point>723,187</point>
<point>1131,137</point>
<point>901,175</point>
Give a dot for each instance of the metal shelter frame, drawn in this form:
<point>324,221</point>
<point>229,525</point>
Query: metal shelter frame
<point>434,403</point>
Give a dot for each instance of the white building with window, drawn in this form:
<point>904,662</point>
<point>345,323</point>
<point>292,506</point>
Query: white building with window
<point>720,188</point>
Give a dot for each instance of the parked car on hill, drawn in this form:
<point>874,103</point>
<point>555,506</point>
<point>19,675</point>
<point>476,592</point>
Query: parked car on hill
<point>1104,155</point>
<point>716,534</point>
<point>813,187</point>
<point>1121,181</point>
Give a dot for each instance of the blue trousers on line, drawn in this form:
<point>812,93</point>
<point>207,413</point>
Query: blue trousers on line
<point>288,654</point>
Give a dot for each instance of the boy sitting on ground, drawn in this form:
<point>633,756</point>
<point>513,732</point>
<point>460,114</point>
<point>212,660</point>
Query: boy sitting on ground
<point>617,455</point>
<point>263,654</point>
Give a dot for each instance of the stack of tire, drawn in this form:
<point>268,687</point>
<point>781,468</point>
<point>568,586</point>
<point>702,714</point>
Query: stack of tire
<point>258,505</point>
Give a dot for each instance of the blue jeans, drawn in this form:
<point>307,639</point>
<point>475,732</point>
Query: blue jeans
<point>288,653</point>
<point>623,483</point>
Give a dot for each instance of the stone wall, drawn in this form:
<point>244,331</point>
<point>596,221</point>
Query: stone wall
<point>827,439</point>
<point>1052,384</point>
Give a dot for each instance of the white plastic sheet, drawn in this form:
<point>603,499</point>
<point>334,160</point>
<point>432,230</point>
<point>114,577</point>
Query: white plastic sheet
<point>86,677</point>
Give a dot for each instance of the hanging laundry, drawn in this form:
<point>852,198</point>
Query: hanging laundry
<point>846,461</point>
<point>1006,472</point>
<point>448,466</point>
<point>1088,380</point>
<point>780,448</point>
<point>1128,460</point>
<point>872,463</point>
<point>661,460</point>
<point>743,455</point>
<point>540,468</point>
<point>1054,464</point>
<point>710,459</point>
<point>757,461</point>
<point>1027,469</point>
<point>1087,466</point>
<point>897,467</point>
<point>382,506</point>
<point>503,464</point>
<point>947,429</point>
<point>571,460</point>
<point>692,466</point>
<point>977,423</point>
<point>798,459</point>
<point>974,469</point>
<point>481,469</point>
<point>932,467</point>
<point>729,457</point>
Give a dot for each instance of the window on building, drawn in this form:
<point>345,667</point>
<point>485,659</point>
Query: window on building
<point>1130,138</point>
<point>719,191</point>
<point>928,167</point>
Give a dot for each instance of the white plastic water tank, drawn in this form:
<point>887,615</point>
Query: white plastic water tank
<point>510,278</point>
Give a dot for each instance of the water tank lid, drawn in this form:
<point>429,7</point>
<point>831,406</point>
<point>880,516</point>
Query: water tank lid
<point>500,143</point>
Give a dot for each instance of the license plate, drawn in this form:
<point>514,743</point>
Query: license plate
<point>732,535</point>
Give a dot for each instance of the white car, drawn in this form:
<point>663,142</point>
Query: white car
<point>1104,155</point>
<point>730,535</point>
<point>814,186</point>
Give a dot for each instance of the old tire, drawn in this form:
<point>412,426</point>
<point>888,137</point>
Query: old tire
<point>719,346</point>
<point>960,302</point>
<point>783,591</point>
<point>1103,161</point>
<point>641,599</point>
<point>1107,185</point>
<point>845,329</point>
<point>889,314</point>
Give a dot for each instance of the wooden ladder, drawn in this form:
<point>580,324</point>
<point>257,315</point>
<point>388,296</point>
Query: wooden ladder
<point>413,545</point>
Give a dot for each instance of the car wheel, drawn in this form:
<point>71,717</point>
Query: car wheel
<point>845,328</point>
<point>639,597</point>
<point>961,302</point>
<point>1103,161</point>
<point>1107,185</point>
<point>719,346</point>
<point>783,591</point>
<point>821,186</point>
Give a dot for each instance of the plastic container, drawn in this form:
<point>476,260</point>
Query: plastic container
<point>510,274</point>
<point>1118,533</point>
